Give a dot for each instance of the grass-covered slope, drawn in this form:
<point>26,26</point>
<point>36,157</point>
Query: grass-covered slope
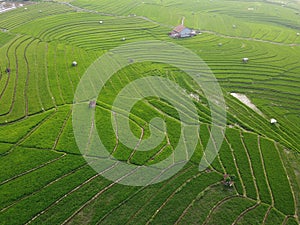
<point>45,180</point>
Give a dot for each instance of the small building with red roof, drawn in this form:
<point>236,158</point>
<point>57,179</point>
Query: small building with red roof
<point>181,32</point>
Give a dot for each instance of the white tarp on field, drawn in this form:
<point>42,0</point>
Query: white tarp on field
<point>245,100</point>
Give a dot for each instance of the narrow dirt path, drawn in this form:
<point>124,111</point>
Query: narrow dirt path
<point>36,76</point>
<point>170,197</point>
<point>244,213</point>
<point>27,77</point>
<point>251,167</point>
<point>119,205</point>
<point>236,167</point>
<point>265,173</point>
<point>267,181</point>
<point>28,134</point>
<point>17,76</point>
<point>57,77</point>
<point>23,118</point>
<point>32,170</point>
<point>8,65</point>
<point>287,218</point>
<point>63,197</point>
<point>69,219</point>
<point>47,75</point>
<point>203,152</point>
<point>155,194</point>
<point>137,145</point>
<point>72,85</point>
<point>116,133</point>
<point>248,39</point>
<point>216,149</point>
<point>217,206</point>
<point>192,203</point>
<point>62,129</point>
<point>267,214</point>
<point>289,180</point>
<point>33,193</point>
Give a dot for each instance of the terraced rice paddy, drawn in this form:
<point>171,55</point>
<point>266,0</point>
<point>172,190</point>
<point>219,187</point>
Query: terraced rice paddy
<point>45,180</point>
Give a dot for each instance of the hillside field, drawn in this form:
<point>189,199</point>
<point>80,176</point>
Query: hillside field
<point>45,177</point>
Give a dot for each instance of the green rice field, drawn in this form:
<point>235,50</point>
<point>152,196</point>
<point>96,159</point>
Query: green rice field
<point>44,177</point>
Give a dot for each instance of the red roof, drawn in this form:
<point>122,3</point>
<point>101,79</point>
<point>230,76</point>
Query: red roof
<point>225,176</point>
<point>179,28</point>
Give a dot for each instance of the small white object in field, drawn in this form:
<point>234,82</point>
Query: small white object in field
<point>123,39</point>
<point>245,60</point>
<point>195,97</point>
<point>40,11</point>
<point>298,34</point>
<point>43,109</point>
<point>234,26</point>
<point>273,121</point>
<point>25,8</point>
<point>74,63</point>
<point>100,21</point>
<point>220,44</point>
